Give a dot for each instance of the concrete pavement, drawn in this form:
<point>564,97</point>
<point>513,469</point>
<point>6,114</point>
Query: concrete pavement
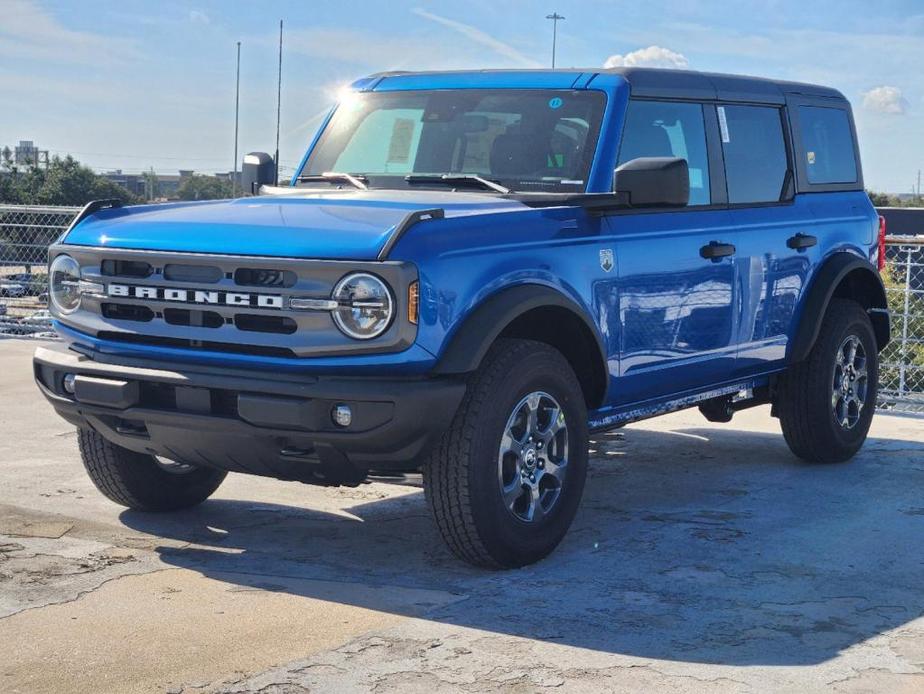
<point>705,558</point>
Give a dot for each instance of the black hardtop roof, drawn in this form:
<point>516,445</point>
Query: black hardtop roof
<point>646,81</point>
<point>680,84</point>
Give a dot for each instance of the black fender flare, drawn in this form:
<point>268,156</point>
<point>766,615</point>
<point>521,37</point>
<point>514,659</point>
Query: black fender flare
<point>472,339</point>
<point>826,282</point>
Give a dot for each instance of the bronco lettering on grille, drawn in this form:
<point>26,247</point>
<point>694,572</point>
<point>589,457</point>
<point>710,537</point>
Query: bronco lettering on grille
<point>196,296</point>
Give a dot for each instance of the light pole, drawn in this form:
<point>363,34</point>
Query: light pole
<point>237,108</point>
<point>555,17</point>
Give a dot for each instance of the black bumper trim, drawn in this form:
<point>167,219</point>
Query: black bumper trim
<point>239,421</point>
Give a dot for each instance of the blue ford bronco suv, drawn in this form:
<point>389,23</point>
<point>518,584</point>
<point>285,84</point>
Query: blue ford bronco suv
<point>470,273</point>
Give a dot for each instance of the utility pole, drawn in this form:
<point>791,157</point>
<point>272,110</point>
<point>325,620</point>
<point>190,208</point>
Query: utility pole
<point>555,17</point>
<point>919,185</point>
<point>278,102</point>
<point>237,107</point>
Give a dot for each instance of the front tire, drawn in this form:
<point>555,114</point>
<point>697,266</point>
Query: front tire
<point>505,481</point>
<point>826,403</point>
<point>140,481</point>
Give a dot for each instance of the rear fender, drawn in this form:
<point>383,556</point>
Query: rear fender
<point>844,276</point>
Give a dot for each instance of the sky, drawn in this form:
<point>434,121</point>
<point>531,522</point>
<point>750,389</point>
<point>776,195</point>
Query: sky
<point>134,85</point>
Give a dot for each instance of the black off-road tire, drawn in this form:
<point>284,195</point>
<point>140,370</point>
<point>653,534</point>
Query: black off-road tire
<point>461,474</point>
<point>804,396</point>
<point>138,481</point>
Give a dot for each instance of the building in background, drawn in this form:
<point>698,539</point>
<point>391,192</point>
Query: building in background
<point>150,185</point>
<point>26,153</point>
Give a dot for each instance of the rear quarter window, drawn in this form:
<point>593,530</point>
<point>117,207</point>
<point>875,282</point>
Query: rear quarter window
<point>828,147</point>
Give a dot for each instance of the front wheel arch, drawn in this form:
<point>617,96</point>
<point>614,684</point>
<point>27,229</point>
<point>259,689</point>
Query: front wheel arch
<point>531,312</point>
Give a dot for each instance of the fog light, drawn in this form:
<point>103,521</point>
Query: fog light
<point>342,415</point>
<point>69,383</point>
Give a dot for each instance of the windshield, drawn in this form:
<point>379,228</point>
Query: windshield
<point>524,140</point>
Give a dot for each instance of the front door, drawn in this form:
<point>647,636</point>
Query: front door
<point>674,293</point>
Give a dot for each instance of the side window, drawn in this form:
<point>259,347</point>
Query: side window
<point>669,129</point>
<point>828,145</point>
<point>755,153</point>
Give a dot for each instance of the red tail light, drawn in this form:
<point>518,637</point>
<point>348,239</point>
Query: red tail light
<point>882,243</point>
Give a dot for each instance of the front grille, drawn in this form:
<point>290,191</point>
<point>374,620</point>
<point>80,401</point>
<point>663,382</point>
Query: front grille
<point>126,268</point>
<point>280,325</point>
<point>232,304</point>
<point>214,284</point>
<point>140,314</point>
<point>200,274</point>
<point>199,319</point>
<point>208,345</point>
<point>261,277</point>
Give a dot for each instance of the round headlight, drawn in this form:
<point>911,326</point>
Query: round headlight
<point>63,284</point>
<point>365,306</point>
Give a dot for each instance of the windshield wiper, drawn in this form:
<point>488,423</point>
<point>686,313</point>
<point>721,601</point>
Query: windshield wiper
<point>451,178</point>
<point>355,180</point>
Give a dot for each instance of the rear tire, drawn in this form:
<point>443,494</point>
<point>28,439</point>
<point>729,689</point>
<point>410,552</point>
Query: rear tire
<point>826,403</point>
<point>505,481</point>
<point>139,481</point>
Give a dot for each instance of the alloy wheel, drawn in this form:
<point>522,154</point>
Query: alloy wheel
<point>532,460</point>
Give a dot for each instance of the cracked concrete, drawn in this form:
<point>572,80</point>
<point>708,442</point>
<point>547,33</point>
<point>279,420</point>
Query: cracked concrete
<point>705,558</point>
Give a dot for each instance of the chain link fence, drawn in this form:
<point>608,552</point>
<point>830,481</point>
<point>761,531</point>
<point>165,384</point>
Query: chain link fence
<point>901,376</point>
<point>26,232</point>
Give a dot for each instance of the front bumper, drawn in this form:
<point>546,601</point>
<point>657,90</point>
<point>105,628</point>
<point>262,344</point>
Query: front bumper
<point>244,421</point>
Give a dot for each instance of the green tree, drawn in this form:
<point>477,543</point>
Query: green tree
<point>881,199</point>
<point>886,200</point>
<point>62,182</point>
<point>198,187</point>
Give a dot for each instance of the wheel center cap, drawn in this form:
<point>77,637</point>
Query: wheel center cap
<point>529,458</point>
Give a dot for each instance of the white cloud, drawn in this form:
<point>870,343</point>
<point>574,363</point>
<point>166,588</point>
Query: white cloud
<point>480,37</point>
<point>198,17</point>
<point>885,99</point>
<point>653,56</point>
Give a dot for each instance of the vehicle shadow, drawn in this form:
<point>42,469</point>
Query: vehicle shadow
<point>698,545</point>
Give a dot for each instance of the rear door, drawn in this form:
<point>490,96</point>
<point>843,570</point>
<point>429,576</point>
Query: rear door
<point>777,242</point>
<point>673,308</point>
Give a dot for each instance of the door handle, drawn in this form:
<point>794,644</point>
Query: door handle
<point>801,241</point>
<point>715,251</point>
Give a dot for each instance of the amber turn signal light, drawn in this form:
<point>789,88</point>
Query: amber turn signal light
<point>413,301</point>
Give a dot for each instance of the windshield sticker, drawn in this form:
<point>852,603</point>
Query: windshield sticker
<point>811,157</point>
<point>402,133</point>
<point>723,125</point>
<point>555,102</point>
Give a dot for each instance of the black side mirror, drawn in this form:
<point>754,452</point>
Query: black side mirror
<point>654,181</point>
<point>258,169</point>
